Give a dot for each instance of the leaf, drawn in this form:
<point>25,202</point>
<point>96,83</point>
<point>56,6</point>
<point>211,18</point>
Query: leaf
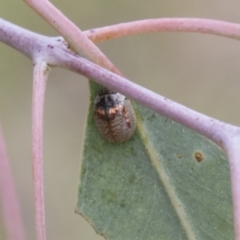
<point>166,182</point>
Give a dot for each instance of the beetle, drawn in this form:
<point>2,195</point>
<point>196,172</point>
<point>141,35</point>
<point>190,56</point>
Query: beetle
<point>114,116</point>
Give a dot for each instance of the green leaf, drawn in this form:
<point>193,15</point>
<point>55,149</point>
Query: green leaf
<point>166,182</point>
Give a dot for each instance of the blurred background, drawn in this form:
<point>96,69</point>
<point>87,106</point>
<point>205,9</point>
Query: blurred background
<point>196,70</point>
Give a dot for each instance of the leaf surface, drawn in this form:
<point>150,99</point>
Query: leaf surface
<point>166,182</point>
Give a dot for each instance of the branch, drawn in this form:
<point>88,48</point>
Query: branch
<point>40,77</point>
<point>197,25</point>
<point>56,53</point>
<point>71,33</point>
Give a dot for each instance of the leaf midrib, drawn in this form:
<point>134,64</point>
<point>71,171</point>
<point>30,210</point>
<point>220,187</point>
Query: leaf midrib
<point>164,178</point>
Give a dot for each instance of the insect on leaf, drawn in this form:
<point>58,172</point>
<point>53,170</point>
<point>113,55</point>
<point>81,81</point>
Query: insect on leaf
<point>165,182</point>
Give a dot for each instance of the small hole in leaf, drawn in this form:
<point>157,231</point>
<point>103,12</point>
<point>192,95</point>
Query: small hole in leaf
<point>198,156</point>
<point>179,155</point>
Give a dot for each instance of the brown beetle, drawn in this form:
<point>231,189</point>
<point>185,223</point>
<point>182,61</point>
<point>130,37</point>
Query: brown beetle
<point>114,116</point>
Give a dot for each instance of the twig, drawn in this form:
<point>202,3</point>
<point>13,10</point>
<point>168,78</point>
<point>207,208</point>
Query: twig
<point>197,25</point>
<point>40,77</point>
<point>71,33</point>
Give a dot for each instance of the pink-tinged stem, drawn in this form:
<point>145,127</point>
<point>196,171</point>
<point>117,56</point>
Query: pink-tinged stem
<point>39,84</point>
<point>71,33</point>
<point>8,198</point>
<point>207,26</point>
<point>232,148</point>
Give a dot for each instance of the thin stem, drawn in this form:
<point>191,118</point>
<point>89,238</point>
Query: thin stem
<point>197,25</point>
<point>232,148</point>
<point>39,84</point>
<point>71,33</point>
<point>20,38</point>
<point>12,218</point>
